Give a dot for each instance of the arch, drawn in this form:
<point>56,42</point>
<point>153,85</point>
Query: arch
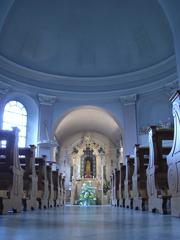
<point>87,118</point>
<point>15,115</point>
<point>32,112</point>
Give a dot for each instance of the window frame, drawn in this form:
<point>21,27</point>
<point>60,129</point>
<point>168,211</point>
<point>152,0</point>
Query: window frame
<point>18,108</point>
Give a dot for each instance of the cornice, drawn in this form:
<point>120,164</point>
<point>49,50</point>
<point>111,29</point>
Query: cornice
<point>128,99</point>
<point>93,96</point>
<point>46,99</point>
<point>112,92</point>
<point>87,84</point>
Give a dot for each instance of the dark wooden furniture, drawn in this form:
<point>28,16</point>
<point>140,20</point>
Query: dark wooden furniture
<point>42,190</point>
<point>128,182</point>
<point>173,159</point>
<point>55,177</point>
<point>141,160</point>
<point>122,176</point>
<point>157,180</point>
<point>27,162</point>
<point>50,185</point>
<point>11,173</point>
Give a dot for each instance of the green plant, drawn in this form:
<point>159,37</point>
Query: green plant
<point>106,187</point>
<point>88,194</point>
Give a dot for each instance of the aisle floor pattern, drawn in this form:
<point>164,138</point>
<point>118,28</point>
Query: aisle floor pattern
<point>89,223</point>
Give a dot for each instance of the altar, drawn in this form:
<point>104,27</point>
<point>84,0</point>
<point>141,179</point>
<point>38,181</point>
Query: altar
<point>88,167</point>
<point>77,186</point>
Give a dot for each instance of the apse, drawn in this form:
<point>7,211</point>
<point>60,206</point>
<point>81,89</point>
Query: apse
<point>88,118</point>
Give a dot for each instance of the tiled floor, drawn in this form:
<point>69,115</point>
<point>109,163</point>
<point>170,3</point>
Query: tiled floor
<point>91,223</point>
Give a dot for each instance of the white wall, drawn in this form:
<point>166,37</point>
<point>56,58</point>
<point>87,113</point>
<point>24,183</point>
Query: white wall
<point>153,109</point>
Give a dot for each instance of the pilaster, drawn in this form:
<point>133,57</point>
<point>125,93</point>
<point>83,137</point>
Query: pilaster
<point>130,122</point>
<point>46,143</point>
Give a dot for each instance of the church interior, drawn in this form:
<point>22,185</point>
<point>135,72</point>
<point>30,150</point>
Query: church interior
<point>89,119</point>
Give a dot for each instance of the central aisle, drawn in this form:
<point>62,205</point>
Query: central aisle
<point>91,223</point>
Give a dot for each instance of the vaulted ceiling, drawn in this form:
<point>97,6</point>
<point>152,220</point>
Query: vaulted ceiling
<point>90,119</point>
<point>84,46</point>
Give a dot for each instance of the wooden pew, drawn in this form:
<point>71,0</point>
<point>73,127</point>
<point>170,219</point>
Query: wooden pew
<point>121,185</point>
<point>42,191</point>
<point>117,182</point>
<point>50,186</point>
<point>141,160</point>
<point>173,159</point>
<point>62,189</point>
<point>128,182</point>
<point>55,176</point>
<point>157,181</point>
<point>11,174</point>
<point>30,179</point>
<point>113,197</point>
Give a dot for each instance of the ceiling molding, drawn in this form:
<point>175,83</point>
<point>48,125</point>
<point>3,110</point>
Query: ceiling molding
<point>25,76</point>
<point>46,99</point>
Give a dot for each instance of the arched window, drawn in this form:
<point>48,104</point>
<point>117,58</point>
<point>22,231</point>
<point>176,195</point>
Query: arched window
<point>15,115</point>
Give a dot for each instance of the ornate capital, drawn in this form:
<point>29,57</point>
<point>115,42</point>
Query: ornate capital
<point>46,99</point>
<point>129,99</point>
<point>171,88</point>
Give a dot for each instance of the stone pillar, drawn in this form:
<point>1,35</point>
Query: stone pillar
<point>130,122</point>
<point>172,9</point>
<point>46,143</point>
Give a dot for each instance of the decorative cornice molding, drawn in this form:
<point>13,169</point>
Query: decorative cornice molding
<point>80,85</point>
<point>46,99</point>
<point>129,99</point>
<point>104,96</point>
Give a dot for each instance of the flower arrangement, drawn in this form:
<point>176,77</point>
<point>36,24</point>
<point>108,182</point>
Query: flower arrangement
<point>88,194</point>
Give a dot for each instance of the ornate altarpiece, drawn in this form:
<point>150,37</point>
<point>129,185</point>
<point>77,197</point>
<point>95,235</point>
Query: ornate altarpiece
<point>88,164</point>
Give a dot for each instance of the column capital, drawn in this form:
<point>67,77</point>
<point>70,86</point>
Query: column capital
<point>128,99</point>
<point>46,99</point>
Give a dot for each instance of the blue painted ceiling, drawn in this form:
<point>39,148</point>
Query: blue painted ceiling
<point>84,38</point>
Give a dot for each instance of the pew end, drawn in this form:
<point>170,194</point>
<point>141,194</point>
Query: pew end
<point>157,180</point>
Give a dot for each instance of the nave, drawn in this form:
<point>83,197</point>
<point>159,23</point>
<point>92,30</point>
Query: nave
<point>94,223</point>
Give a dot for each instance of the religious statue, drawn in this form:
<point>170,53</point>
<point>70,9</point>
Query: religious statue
<point>88,170</point>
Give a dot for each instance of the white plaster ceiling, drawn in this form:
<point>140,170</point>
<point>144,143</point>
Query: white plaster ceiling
<point>89,119</point>
<point>84,46</point>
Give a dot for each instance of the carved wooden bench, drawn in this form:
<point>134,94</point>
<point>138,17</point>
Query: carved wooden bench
<point>117,182</point>
<point>121,185</point>
<point>30,179</point>
<point>128,182</point>
<point>62,189</point>
<point>50,186</point>
<point>157,181</point>
<point>42,191</point>
<point>55,176</point>
<point>141,160</point>
<point>11,173</point>
<point>173,159</point>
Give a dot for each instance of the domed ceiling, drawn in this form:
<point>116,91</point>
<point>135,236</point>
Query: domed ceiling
<point>85,45</point>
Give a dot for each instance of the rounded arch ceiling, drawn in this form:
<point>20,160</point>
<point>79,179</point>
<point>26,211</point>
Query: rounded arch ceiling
<point>88,119</point>
<point>85,45</point>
